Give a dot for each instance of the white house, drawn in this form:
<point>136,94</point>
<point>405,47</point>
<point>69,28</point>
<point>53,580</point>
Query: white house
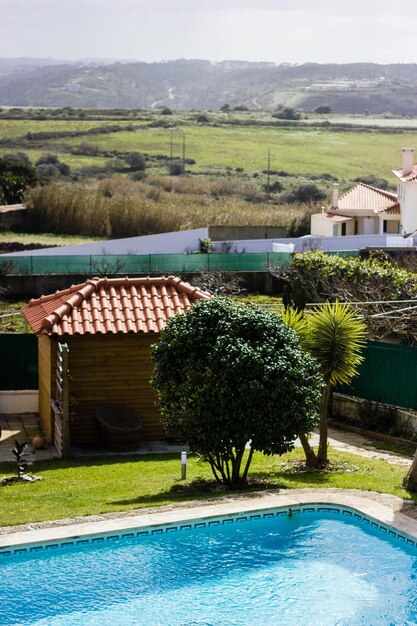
<point>366,210</point>
<point>407,192</point>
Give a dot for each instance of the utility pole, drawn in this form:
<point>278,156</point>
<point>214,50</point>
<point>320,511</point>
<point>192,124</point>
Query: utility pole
<point>268,173</point>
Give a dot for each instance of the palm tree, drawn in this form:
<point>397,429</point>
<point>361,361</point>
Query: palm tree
<point>410,481</point>
<point>334,335</point>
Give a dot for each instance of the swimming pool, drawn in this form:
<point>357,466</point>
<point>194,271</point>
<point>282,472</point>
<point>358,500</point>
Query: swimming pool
<point>317,565</point>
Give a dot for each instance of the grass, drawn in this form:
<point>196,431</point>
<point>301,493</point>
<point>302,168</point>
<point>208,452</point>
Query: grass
<point>397,448</point>
<point>75,161</point>
<point>123,208</point>
<point>101,485</point>
<point>300,150</point>
<point>13,323</point>
<point>11,129</point>
<point>47,239</point>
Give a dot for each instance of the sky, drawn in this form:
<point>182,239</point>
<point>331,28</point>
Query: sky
<point>291,31</point>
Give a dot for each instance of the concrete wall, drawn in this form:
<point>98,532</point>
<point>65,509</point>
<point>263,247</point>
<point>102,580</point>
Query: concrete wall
<point>321,225</point>
<point>227,233</point>
<point>348,407</point>
<point>407,195</point>
<point>21,401</point>
<point>164,243</point>
<point>356,242</point>
<point>11,216</point>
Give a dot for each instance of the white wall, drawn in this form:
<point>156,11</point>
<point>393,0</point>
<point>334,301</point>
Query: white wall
<point>321,225</point>
<point>163,243</point>
<point>354,242</point>
<point>408,205</point>
<point>19,401</point>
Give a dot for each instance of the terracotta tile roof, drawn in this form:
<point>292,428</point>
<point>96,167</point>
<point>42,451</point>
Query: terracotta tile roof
<point>7,208</point>
<point>112,305</point>
<point>336,218</point>
<point>412,176</point>
<point>366,200</point>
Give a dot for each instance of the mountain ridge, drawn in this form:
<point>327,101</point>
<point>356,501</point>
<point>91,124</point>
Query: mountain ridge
<point>202,84</point>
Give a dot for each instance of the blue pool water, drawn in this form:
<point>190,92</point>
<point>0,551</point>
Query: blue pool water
<point>310,568</point>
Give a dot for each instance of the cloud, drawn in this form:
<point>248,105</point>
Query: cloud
<point>274,30</point>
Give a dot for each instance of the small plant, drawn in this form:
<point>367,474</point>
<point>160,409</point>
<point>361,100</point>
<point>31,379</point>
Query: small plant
<point>20,451</point>
<point>206,245</point>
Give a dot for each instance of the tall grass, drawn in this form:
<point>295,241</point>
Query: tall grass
<point>123,208</point>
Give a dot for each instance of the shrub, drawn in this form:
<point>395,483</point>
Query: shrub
<point>166,111</point>
<point>286,113</point>
<point>308,192</point>
<point>176,168</point>
<point>373,181</point>
<point>228,375</point>
<point>135,160</point>
<point>15,178</point>
<point>323,108</point>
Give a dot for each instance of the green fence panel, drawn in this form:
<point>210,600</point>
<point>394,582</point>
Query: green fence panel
<point>16,265</point>
<point>279,259</point>
<point>343,253</point>
<point>108,264</point>
<point>18,361</point>
<point>388,374</point>
<point>79,264</point>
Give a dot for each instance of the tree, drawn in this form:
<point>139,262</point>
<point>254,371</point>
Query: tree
<point>286,113</point>
<point>410,481</point>
<point>135,160</point>
<point>323,108</point>
<point>49,166</point>
<point>229,375</point>
<point>15,178</point>
<point>334,336</point>
<point>176,167</point>
<point>308,192</point>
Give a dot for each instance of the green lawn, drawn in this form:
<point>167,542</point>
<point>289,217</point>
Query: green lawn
<point>100,485</point>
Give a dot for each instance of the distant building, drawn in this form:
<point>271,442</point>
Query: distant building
<point>366,210</point>
<point>12,215</point>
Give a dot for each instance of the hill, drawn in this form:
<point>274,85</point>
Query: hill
<point>199,84</point>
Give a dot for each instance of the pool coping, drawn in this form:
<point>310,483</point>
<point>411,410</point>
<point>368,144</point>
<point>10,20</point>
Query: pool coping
<point>229,507</point>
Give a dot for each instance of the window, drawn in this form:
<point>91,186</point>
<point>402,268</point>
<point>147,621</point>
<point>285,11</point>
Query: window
<point>344,229</point>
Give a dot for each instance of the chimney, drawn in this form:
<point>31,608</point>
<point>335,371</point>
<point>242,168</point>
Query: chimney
<point>408,159</point>
<point>335,196</point>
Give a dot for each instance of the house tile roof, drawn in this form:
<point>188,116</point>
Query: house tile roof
<point>366,200</point>
<point>112,305</point>
<point>337,218</point>
<point>8,208</point>
<point>412,176</point>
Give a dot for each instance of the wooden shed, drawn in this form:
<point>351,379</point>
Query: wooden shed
<point>105,326</point>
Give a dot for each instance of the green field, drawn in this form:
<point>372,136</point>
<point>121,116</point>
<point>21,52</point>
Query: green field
<point>11,129</point>
<point>299,150</point>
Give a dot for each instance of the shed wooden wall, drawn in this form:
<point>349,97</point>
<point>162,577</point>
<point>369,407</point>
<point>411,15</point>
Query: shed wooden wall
<point>45,365</point>
<point>111,369</point>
